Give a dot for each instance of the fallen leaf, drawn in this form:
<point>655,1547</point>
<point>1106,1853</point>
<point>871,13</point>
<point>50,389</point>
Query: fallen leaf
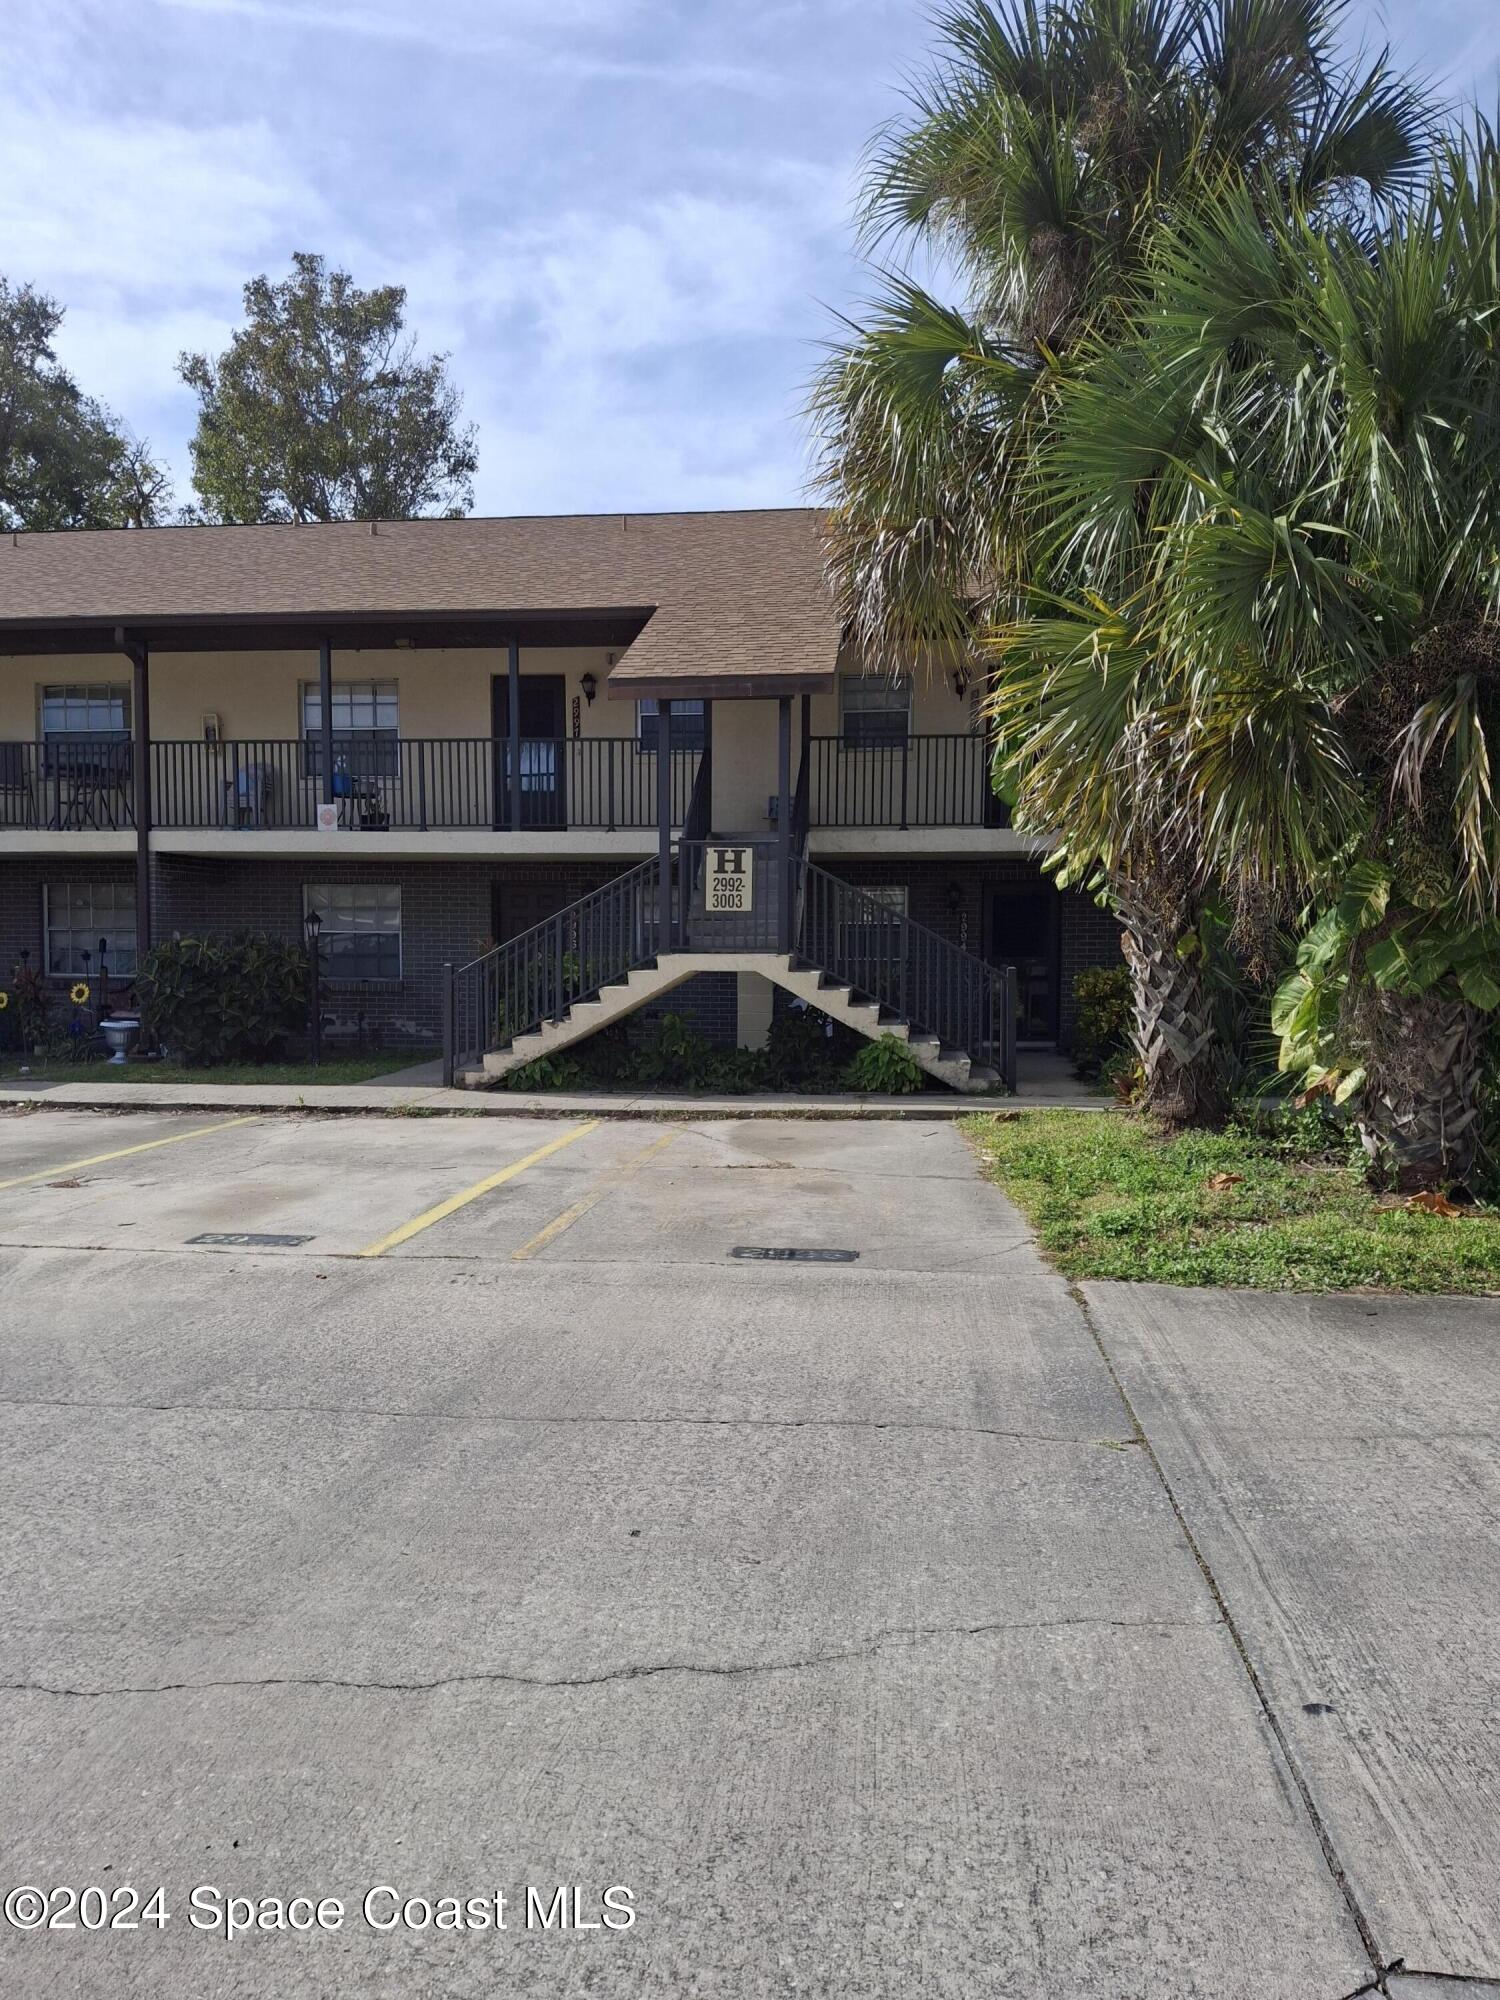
<point>65,1184</point>
<point>1219,1182</point>
<point>1431,1202</point>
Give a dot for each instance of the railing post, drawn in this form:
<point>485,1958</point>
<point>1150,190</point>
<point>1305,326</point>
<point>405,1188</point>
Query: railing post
<point>449,1024</point>
<point>421,750</point>
<point>905,774</point>
<point>609,765</point>
<point>1012,1007</point>
<point>558,1009</point>
<point>784,823</point>
<point>664,824</point>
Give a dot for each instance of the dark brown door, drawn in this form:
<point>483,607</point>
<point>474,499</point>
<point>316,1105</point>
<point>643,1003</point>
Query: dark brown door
<point>1024,933</point>
<point>543,749</point>
<point>520,907</point>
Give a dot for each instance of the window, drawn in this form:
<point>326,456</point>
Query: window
<point>76,915</point>
<point>687,724</point>
<point>874,711</point>
<point>366,730</point>
<point>360,938</point>
<point>98,714</point>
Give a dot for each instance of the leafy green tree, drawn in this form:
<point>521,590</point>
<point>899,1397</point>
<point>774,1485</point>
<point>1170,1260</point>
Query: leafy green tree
<point>320,409</point>
<point>65,460</point>
<point>1270,623</point>
<point>1050,142</point>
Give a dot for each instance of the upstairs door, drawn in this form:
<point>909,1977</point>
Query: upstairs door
<point>543,749</point>
<point>1024,933</point>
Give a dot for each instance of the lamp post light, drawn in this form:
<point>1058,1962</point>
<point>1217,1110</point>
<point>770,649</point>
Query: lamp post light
<point>313,923</point>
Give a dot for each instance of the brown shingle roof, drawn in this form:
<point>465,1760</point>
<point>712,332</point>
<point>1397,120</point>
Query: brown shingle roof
<point>731,595</point>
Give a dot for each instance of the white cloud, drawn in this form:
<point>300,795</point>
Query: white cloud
<point>93,205</point>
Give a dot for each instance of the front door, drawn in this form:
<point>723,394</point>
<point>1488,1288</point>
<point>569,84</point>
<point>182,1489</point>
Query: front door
<point>543,749</point>
<point>1024,933</point>
<point>516,908</point>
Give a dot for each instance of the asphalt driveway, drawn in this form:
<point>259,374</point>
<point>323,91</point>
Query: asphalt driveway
<point>500,1530</point>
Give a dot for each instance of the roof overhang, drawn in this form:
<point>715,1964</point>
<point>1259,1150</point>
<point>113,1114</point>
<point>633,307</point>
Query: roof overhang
<point>715,687</point>
<point>607,626</point>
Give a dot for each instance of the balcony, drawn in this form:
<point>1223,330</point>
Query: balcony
<point>913,781</point>
<point>67,787</point>
<point>457,784</point>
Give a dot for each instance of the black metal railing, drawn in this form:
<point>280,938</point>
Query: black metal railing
<point>916,781</point>
<point>931,983</point>
<point>538,976</point>
<point>416,784</point>
<point>717,910</point>
<point>83,784</point>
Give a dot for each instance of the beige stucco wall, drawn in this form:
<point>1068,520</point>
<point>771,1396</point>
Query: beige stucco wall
<point>257,695</point>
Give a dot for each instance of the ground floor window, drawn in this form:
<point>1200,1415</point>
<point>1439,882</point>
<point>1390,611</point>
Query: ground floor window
<point>97,918</point>
<point>359,936</point>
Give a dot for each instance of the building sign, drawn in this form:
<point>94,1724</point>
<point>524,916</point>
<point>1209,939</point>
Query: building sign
<point>730,878</point>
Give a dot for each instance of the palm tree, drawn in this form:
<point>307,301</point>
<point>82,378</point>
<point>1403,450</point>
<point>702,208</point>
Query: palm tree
<point>1271,620</point>
<point>1049,143</point>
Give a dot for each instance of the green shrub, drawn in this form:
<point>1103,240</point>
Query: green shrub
<point>560,1072</point>
<point>1105,1008</point>
<point>224,999</point>
<point>805,1050</point>
<point>886,1065</point>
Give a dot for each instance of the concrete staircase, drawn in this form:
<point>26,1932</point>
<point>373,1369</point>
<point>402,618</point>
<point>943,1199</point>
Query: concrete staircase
<point>648,982</point>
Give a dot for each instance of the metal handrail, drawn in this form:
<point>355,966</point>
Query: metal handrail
<point>539,975</point>
<point>904,781</point>
<point>934,985</point>
<point>414,783</point>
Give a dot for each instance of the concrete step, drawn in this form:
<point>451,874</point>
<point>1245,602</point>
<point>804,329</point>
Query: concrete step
<point>951,1066</point>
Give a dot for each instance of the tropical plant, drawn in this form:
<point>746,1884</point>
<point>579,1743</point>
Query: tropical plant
<point>1051,141</point>
<point>1102,1017</point>
<point>1270,622</point>
<point>886,1065</point>
<point>229,999</point>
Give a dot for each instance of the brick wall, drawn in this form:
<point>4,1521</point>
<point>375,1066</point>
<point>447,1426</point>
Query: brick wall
<point>955,899</point>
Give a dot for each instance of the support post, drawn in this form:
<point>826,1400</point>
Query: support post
<point>140,783</point>
<point>664,825</point>
<point>513,671</point>
<point>1012,1009</point>
<point>325,713</point>
<point>784,823</point>
<point>449,1035</point>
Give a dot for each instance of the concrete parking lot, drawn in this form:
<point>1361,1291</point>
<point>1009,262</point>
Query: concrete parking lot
<point>906,1625</point>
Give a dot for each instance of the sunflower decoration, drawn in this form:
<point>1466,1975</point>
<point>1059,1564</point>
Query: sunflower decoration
<point>4,999</point>
<point>79,993</point>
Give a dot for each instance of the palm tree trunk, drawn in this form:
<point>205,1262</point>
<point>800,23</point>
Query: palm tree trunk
<point>1175,1036</point>
<point>1418,1112</point>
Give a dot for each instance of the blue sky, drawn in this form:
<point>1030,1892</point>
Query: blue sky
<point>627,220</point>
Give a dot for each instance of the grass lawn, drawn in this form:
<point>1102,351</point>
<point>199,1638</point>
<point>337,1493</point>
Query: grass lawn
<point>1109,1198</point>
<point>333,1069</point>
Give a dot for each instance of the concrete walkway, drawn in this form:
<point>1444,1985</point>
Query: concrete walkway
<point>1046,1083</point>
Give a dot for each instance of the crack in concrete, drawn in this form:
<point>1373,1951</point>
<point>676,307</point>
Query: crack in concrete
<point>910,1637</point>
<point>1278,1729</point>
<point>549,1418</point>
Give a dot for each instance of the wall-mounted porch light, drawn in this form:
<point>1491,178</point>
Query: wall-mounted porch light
<point>590,686</point>
<point>955,898</point>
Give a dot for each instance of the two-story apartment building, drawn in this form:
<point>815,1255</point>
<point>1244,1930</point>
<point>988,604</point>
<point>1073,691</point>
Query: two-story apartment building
<point>434,738</point>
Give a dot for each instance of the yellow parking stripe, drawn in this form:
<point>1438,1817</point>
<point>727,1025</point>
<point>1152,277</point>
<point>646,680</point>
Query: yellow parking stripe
<point>124,1152</point>
<point>456,1201</point>
<point>603,1186</point>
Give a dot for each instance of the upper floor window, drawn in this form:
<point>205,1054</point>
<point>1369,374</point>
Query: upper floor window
<point>687,724</point>
<point>366,729</point>
<point>98,713</point>
<point>874,710</point>
<point>78,917</point>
